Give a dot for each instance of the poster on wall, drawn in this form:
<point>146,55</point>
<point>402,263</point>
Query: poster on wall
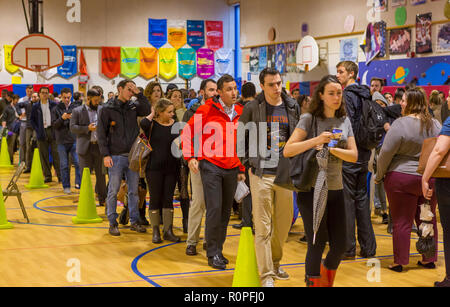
<point>423,33</point>
<point>370,45</point>
<point>254,60</point>
<point>291,57</point>
<point>397,3</point>
<point>205,63</point>
<point>443,38</point>
<point>379,29</point>
<point>214,34</point>
<point>280,62</point>
<point>271,56</point>
<point>400,41</point>
<point>417,2</point>
<point>380,5</point>
<point>196,34</point>
<point>262,58</point>
<point>349,50</point>
<point>157,32</point>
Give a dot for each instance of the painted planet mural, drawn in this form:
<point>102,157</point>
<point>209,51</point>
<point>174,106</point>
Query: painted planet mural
<point>400,75</point>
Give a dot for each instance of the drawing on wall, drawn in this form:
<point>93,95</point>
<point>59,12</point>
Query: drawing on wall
<point>443,38</point>
<point>349,50</point>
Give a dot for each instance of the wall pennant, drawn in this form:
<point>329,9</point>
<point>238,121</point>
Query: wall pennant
<point>224,62</point>
<point>167,63</point>
<point>196,34</point>
<point>130,62</point>
<point>205,63</point>
<point>214,34</point>
<point>186,63</point>
<point>8,64</point>
<point>70,67</point>
<point>176,31</point>
<point>157,32</point>
<point>110,61</point>
<point>149,62</point>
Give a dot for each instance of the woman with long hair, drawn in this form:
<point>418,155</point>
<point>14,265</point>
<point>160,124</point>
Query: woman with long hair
<point>326,114</point>
<point>154,92</point>
<point>176,97</point>
<point>161,169</point>
<point>397,165</point>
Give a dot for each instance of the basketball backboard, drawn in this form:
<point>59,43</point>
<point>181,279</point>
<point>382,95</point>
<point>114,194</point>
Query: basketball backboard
<point>37,52</point>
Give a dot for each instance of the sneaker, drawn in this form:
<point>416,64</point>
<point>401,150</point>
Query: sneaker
<point>138,228</point>
<point>268,283</point>
<point>191,250</point>
<point>67,191</point>
<point>114,230</point>
<point>280,273</point>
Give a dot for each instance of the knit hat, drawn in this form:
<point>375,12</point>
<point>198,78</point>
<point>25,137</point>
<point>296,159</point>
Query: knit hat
<point>377,96</point>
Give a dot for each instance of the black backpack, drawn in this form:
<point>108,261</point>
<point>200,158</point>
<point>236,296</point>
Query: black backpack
<point>371,125</point>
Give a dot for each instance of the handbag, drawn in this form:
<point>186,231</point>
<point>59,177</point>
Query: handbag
<point>140,153</point>
<point>303,168</point>
<point>443,169</point>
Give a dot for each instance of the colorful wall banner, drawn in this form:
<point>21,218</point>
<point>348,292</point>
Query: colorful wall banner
<point>186,63</point>
<point>214,34</point>
<point>205,63</point>
<point>176,31</point>
<point>149,62</point>
<point>196,34</point>
<point>157,32</point>
<point>167,63</point>
<point>224,62</point>
<point>8,65</point>
<point>130,62</point>
<point>84,75</point>
<point>70,67</point>
<point>110,61</point>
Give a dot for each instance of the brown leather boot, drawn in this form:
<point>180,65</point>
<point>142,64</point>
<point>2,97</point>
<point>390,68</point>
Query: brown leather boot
<point>168,221</point>
<point>155,220</point>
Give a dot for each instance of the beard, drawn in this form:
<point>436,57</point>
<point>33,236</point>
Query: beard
<point>94,108</point>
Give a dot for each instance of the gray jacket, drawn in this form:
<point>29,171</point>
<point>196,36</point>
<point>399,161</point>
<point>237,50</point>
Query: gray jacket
<point>79,125</point>
<point>255,111</point>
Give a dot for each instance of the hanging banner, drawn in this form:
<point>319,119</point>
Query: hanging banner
<point>130,62</point>
<point>262,58</point>
<point>8,65</point>
<point>69,68</point>
<point>214,34</point>
<point>149,62</point>
<point>205,63</point>
<point>224,61</point>
<point>167,63</point>
<point>157,32</point>
<point>176,31</point>
<point>110,61</point>
<point>196,34</point>
<point>84,75</point>
<point>186,63</point>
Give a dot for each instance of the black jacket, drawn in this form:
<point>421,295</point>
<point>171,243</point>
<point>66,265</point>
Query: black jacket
<point>61,126</point>
<point>255,111</point>
<point>36,120</point>
<point>118,137</point>
<point>27,105</point>
<point>354,95</point>
<point>8,116</point>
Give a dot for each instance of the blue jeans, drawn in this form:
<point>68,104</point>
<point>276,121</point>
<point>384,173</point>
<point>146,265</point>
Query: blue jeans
<point>116,173</point>
<point>64,150</point>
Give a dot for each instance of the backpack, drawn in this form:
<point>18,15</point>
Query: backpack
<point>371,125</point>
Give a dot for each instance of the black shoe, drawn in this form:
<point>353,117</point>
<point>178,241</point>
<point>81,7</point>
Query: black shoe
<point>303,240</point>
<point>397,268</point>
<point>238,226</point>
<point>441,284</point>
<point>114,230</point>
<point>156,235</point>
<point>385,220</point>
<point>429,265</point>
<point>348,257</point>
<point>27,171</point>
<point>138,228</point>
<point>191,250</point>
<point>216,263</point>
<point>224,260</point>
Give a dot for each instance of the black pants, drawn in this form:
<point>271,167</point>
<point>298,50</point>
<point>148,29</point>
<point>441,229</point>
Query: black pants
<point>161,188</point>
<point>247,217</point>
<point>332,228</point>
<point>94,161</point>
<point>44,146</point>
<point>357,205</point>
<point>443,198</point>
<point>219,188</point>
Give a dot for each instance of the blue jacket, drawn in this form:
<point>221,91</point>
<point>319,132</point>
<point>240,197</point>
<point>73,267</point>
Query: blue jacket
<point>37,121</point>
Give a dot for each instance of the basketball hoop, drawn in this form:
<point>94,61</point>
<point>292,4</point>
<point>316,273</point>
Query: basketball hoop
<point>39,68</point>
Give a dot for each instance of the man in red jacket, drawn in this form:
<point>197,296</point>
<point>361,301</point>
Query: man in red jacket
<point>214,127</point>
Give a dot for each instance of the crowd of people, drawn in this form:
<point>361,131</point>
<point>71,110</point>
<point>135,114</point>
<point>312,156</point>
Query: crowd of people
<point>227,137</point>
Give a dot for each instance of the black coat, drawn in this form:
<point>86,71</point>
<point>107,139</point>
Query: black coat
<point>36,120</point>
<point>61,126</point>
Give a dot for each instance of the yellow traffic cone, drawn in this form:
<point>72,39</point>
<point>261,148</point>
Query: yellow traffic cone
<point>246,271</point>
<point>86,212</point>
<point>4,224</point>
<point>36,176</point>
<point>5,159</point>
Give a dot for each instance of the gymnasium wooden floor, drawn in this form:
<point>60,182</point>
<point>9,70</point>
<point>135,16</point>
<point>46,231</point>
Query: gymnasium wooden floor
<point>48,251</point>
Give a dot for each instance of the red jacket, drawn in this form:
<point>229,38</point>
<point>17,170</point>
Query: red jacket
<point>217,135</point>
